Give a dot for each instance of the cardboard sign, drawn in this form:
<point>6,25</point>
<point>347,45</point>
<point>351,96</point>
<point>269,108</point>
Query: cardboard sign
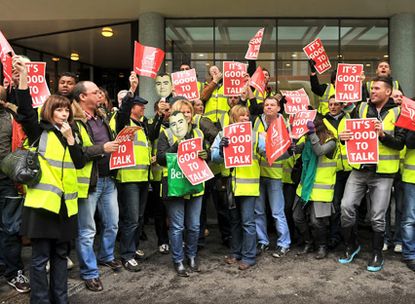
<point>7,63</point>
<point>407,118</point>
<point>254,45</point>
<point>5,47</point>
<point>315,50</point>
<point>147,60</point>
<point>233,78</point>
<point>278,139</point>
<point>363,148</point>
<point>194,168</point>
<point>185,84</point>
<point>239,152</point>
<point>124,157</point>
<point>348,82</point>
<point>299,125</point>
<point>296,101</point>
<point>258,80</point>
<point>36,80</point>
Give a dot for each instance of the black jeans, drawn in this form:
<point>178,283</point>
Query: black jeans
<point>160,214</point>
<point>335,224</point>
<point>10,218</point>
<point>56,252</point>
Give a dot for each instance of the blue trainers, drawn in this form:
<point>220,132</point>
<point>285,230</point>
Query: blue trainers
<point>377,262</point>
<point>349,254</point>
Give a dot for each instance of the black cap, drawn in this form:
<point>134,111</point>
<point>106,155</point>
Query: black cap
<point>138,100</point>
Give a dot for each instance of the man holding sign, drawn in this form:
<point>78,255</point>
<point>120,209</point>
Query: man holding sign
<point>378,178</point>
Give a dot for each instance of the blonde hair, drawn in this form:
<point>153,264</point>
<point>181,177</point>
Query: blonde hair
<point>177,106</point>
<point>237,111</point>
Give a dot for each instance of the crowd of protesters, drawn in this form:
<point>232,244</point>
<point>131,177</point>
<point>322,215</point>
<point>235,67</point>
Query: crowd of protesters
<point>314,196</point>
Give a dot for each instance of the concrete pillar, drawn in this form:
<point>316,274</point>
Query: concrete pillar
<point>402,55</point>
<point>150,33</point>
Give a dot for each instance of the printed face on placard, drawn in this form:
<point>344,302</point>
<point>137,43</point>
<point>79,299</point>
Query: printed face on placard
<point>163,86</point>
<point>178,125</point>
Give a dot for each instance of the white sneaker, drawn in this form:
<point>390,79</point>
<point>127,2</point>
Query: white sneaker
<point>164,248</point>
<point>139,254</point>
<point>70,264</point>
<point>385,247</point>
<point>398,248</point>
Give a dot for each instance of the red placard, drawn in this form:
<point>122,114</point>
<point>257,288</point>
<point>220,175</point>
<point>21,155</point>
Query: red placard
<point>124,157</point>
<point>147,60</point>
<point>36,81</point>
<point>363,148</point>
<point>5,47</point>
<point>239,151</point>
<point>258,80</point>
<point>7,63</point>
<point>185,84</point>
<point>278,139</point>
<point>407,118</point>
<point>194,168</point>
<point>296,101</point>
<point>315,50</point>
<point>299,125</point>
<point>254,45</point>
<point>348,82</point>
<point>233,78</point>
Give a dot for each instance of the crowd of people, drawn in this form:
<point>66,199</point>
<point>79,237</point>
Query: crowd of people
<point>313,194</point>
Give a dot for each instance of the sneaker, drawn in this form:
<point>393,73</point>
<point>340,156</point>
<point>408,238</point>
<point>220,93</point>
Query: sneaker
<point>164,248</point>
<point>280,252</point>
<point>70,264</point>
<point>132,265</point>
<point>376,262</point>
<point>398,248</point>
<point>349,254</point>
<point>385,247</point>
<point>20,283</point>
<point>139,254</point>
<point>114,265</point>
<point>261,248</point>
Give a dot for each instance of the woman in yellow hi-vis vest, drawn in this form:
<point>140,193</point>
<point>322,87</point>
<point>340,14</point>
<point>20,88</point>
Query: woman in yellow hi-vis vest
<point>316,188</point>
<point>50,208</point>
<point>244,190</point>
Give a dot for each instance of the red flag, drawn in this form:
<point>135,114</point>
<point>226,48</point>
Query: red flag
<point>254,45</point>
<point>147,60</point>
<point>258,80</point>
<point>7,68</point>
<point>407,118</point>
<point>278,139</point>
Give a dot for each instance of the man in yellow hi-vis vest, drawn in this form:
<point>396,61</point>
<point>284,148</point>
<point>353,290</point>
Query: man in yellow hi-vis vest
<point>378,178</point>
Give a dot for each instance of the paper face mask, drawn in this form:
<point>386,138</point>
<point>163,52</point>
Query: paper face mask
<point>178,125</point>
<point>163,86</point>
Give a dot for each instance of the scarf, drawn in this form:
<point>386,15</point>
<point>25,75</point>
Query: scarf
<point>308,173</point>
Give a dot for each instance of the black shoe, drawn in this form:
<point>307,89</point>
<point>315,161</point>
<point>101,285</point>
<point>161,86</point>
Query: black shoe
<point>132,265</point>
<point>114,265</point>
<point>280,252</point>
<point>376,262</point>
<point>2,269</point>
<point>94,284</point>
<point>261,248</point>
<point>308,247</point>
<point>321,252</point>
<point>181,270</point>
<point>333,243</point>
<point>411,264</point>
<point>193,265</point>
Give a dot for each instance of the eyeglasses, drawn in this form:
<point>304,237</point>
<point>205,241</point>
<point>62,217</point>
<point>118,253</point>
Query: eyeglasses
<point>94,92</point>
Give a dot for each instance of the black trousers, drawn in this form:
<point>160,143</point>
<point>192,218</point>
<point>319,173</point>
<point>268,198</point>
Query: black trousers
<point>10,219</point>
<point>335,223</point>
<point>56,252</point>
<point>160,214</point>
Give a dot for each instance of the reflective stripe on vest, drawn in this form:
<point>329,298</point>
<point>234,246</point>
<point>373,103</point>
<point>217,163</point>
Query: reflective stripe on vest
<point>84,174</point>
<point>388,158</point>
<point>408,174</point>
<point>216,105</point>
<point>57,182</point>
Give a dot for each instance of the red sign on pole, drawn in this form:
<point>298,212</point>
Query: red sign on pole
<point>36,80</point>
<point>239,152</point>
<point>233,78</point>
<point>363,148</point>
<point>147,60</point>
<point>348,82</point>
<point>185,84</point>
<point>258,80</point>
<point>278,139</point>
<point>193,167</point>
<point>315,50</point>
<point>407,118</point>
<point>254,45</point>
<point>296,101</point>
<point>124,157</point>
<point>299,125</point>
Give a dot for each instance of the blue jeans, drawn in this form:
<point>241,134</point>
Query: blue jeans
<point>105,199</point>
<point>273,189</point>
<point>132,205</point>
<point>181,212</point>
<point>243,244</point>
<point>408,222</point>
